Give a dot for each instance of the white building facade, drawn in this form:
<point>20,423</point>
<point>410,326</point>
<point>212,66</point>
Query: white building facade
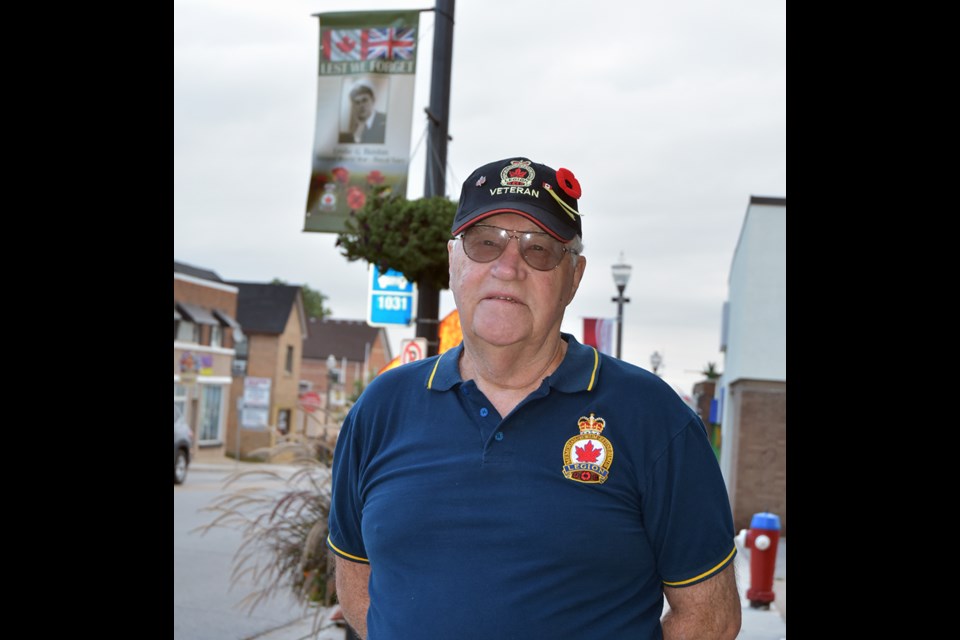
<point>752,390</point>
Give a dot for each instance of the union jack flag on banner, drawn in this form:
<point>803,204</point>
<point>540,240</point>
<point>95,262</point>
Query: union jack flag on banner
<point>390,44</point>
<point>369,44</point>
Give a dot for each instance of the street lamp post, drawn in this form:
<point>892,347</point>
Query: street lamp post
<point>332,376</point>
<point>655,361</point>
<point>621,274</point>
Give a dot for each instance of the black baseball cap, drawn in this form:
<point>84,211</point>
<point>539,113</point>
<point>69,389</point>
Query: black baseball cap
<point>546,196</point>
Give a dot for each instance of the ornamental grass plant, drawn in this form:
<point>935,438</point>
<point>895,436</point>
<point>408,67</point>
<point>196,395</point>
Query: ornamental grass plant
<point>284,530</point>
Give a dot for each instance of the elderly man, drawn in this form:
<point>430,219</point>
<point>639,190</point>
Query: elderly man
<point>523,485</point>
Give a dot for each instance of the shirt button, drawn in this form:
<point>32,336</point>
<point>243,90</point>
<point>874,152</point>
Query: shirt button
<point>484,412</point>
<point>499,436</point>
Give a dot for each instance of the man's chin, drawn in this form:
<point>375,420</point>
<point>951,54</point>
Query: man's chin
<point>499,335</point>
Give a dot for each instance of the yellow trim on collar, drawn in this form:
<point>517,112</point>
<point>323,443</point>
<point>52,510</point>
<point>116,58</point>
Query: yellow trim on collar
<point>434,372</point>
<point>344,553</point>
<point>593,374</point>
<point>705,573</point>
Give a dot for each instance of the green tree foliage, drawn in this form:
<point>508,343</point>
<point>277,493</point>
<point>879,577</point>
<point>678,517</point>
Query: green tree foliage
<point>312,301</point>
<point>710,371</point>
<point>409,236</point>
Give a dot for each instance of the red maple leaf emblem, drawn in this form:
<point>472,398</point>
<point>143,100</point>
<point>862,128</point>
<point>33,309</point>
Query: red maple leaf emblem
<point>589,453</point>
<point>518,173</point>
<point>346,44</point>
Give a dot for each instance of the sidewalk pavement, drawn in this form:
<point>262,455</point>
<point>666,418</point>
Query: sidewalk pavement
<point>763,624</point>
<point>757,624</point>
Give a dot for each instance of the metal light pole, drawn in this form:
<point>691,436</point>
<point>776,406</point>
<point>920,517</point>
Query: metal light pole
<point>332,376</point>
<point>621,274</point>
<point>435,182</point>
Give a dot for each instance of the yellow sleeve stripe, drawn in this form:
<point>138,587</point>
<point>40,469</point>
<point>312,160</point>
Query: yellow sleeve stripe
<point>704,574</point>
<point>341,552</point>
<point>593,374</point>
<point>434,372</point>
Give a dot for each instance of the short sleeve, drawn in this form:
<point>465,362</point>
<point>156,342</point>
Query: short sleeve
<point>687,510</point>
<point>345,537</point>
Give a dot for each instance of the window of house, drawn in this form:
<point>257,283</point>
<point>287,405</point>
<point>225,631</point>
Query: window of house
<point>216,336</point>
<point>180,397</point>
<point>288,366</point>
<point>211,401</point>
<point>188,332</point>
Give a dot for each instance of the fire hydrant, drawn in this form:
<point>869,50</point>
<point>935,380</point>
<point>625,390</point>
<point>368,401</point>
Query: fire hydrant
<point>761,539</point>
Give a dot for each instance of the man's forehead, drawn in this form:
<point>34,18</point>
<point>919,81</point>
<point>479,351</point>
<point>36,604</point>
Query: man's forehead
<point>511,221</point>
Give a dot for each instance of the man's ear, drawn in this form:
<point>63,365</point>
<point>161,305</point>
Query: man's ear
<point>578,270</point>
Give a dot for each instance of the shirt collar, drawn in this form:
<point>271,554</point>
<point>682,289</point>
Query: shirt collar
<point>579,371</point>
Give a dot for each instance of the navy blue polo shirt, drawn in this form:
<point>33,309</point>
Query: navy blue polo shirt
<point>563,519</point>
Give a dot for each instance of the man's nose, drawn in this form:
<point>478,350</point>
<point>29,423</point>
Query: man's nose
<point>511,256</point>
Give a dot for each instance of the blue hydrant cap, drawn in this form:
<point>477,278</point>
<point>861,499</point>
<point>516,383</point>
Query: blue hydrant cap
<point>765,521</point>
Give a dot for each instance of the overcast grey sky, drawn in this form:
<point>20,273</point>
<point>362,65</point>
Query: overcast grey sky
<point>670,113</point>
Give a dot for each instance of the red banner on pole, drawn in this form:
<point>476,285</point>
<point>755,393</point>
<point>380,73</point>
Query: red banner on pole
<point>598,332</point>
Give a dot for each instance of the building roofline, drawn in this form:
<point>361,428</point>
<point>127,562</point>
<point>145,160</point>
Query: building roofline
<point>220,286</point>
<point>768,200</point>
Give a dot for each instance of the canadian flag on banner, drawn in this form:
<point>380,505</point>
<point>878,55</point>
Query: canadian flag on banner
<point>598,332</point>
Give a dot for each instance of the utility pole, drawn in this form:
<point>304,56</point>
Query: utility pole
<point>428,302</point>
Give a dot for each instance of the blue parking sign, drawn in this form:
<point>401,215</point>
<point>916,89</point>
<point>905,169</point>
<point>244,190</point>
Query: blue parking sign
<point>390,300</point>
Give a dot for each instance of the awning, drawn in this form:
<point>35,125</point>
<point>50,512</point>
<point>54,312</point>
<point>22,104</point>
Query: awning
<point>226,319</point>
<point>197,313</point>
<point>176,315</point>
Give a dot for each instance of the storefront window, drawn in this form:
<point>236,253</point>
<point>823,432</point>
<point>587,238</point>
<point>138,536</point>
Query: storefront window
<point>210,411</point>
<point>180,397</point>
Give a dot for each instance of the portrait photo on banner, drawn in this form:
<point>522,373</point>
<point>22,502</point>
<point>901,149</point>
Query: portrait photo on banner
<point>364,104</point>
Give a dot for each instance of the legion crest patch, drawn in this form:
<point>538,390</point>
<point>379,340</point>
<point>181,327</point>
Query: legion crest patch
<point>518,173</point>
<point>588,456</point>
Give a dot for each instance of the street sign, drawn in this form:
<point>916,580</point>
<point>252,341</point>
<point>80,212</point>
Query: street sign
<point>412,350</point>
<point>390,300</point>
<point>255,413</point>
<point>310,401</point>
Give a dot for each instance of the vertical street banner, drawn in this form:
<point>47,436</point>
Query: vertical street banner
<point>598,332</point>
<point>365,89</point>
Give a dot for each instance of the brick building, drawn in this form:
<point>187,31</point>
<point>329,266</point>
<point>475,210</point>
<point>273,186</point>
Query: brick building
<point>267,370</point>
<point>245,353</point>
<point>205,333</point>
<point>359,351</point>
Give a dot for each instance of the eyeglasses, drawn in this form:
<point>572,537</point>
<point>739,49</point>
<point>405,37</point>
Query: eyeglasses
<point>486,243</point>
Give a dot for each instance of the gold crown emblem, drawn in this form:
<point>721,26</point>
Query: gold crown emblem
<point>591,425</point>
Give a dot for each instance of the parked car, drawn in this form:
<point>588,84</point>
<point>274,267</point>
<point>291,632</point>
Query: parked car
<point>182,440</point>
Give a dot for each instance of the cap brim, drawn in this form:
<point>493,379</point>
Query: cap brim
<point>532,214</point>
